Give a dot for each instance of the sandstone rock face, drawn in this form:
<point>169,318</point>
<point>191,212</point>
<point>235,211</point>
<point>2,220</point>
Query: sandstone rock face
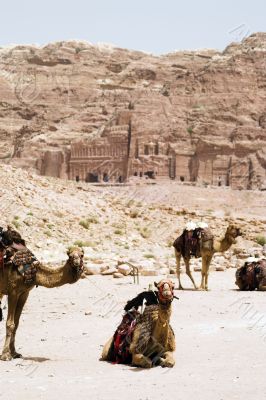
<point>78,111</point>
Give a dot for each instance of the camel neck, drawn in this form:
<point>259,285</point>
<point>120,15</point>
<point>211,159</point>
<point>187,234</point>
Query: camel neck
<point>224,244</point>
<point>164,313</point>
<point>54,277</point>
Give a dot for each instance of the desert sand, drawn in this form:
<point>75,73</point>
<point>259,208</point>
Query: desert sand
<point>220,335</point>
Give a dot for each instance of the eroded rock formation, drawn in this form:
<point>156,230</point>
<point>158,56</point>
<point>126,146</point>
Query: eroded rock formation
<point>78,111</point>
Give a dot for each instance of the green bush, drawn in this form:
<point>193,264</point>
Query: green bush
<point>84,223</point>
<point>261,240</point>
<point>118,232</point>
<point>148,255</point>
<point>16,223</point>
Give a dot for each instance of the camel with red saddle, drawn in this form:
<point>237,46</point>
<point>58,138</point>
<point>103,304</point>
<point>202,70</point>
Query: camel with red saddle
<point>148,338</point>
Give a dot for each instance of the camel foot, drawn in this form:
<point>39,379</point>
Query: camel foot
<point>202,288</point>
<point>165,363</point>
<point>16,355</point>
<point>6,357</point>
<point>139,360</point>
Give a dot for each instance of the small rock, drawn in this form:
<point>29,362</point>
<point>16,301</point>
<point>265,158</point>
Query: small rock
<point>149,272</point>
<point>197,268</point>
<point>109,271</point>
<point>93,269</point>
<point>118,275</point>
<point>220,268</point>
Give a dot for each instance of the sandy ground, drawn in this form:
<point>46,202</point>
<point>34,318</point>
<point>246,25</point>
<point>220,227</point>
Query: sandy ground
<point>220,335</point>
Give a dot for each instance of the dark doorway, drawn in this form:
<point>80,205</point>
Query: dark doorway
<point>182,178</point>
<point>92,178</point>
<point>105,177</point>
<point>77,178</point>
<point>150,174</point>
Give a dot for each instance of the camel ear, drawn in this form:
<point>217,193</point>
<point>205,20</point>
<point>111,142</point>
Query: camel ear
<point>156,284</point>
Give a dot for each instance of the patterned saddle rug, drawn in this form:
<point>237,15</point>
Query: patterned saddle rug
<point>14,253</point>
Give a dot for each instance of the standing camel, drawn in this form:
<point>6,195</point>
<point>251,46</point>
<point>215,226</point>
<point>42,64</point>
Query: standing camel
<point>206,251</point>
<point>13,285</point>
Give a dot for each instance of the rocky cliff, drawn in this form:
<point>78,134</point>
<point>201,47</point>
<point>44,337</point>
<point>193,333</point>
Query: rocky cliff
<point>207,103</point>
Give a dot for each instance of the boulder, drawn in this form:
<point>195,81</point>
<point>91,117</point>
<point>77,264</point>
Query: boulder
<point>109,271</point>
<point>124,269</point>
<point>118,275</point>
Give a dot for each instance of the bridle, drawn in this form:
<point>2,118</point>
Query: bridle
<point>164,287</point>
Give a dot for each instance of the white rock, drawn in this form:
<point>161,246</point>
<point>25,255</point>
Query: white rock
<point>109,271</point>
<point>93,269</point>
<point>150,272</point>
<point>124,269</point>
<point>118,275</point>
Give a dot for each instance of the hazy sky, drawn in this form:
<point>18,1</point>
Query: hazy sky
<point>150,25</point>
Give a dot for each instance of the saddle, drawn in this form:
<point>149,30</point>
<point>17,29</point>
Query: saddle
<point>119,350</point>
<point>15,254</point>
<point>191,242</point>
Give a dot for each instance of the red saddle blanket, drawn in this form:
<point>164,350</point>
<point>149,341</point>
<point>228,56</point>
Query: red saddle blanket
<point>119,351</point>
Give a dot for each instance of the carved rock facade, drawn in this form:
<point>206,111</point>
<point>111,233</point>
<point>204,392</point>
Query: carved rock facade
<point>78,111</point>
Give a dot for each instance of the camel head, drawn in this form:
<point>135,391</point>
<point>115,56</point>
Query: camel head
<point>232,232</point>
<point>75,260</point>
<point>166,290</point>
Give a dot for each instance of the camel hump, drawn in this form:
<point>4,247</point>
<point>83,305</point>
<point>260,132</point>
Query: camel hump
<point>178,243</point>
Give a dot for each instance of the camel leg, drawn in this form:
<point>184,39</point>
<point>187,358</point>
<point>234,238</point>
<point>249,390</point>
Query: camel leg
<point>106,349</point>
<point>10,326</point>
<point>1,312</point>
<point>20,305</point>
<point>178,272</point>
<point>167,360</point>
<point>208,262</point>
<point>203,272</point>
<point>188,272</point>
<point>139,360</point>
